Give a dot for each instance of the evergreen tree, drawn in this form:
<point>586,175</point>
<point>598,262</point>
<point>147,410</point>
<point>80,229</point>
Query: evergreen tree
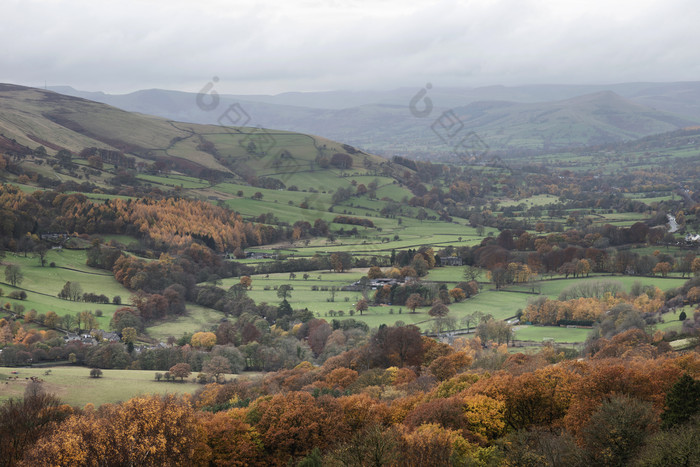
<point>682,402</point>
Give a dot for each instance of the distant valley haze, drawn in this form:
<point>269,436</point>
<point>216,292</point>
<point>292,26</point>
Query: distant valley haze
<point>511,120</point>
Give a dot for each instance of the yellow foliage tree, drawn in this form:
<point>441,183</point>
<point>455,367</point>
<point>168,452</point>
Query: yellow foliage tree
<point>203,340</point>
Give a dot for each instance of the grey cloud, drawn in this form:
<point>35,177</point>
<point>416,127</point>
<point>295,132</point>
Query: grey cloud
<point>289,46</point>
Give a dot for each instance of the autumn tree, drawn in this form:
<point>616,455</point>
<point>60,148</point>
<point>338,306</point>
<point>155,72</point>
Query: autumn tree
<point>695,266</point>
<point>438,310</point>
<point>126,317</point>
<point>693,295</point>
<point>375,272</point>
<point>583,267</point>
<point>145,430</point>
<point>231,439</point>
<point>246,282</point>
<point>396,346</point>
<point>340,262</point>
<point>217,366</point>
<point>292,424</point>
<point>662,268</point>
<point>52,320</point>
<point>499,276</point>
<point>129,335</point>
<point>471,288</point>
<point>180,370</point>
<point>536,398</point>
<point>408,271</point>
<point>414,301</point>
<point>24,421</point>
<point>361,305</point>
<point>447,366</point>
<point>457,294</point>
<point>431,444</point>
<point>86,320</point>
<point>341,378</point>
<point>446,412</point>
<point>205,340</point>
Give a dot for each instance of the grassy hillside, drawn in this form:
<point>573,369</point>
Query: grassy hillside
<point>30,118</point>
<point>42,284</point>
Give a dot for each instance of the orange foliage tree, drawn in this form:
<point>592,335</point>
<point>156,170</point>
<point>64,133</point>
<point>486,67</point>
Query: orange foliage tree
<point>231,440</point>
<point>146,430</point>
<point>292,424</point>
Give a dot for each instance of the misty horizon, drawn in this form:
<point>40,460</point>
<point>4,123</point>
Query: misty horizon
<point>351,45</point>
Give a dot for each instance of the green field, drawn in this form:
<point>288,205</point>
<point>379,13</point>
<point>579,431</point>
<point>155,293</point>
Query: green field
<point>43,284</point>
<point>197,318</point>
<point>671,321</point>
<point>501,304</point>
<point>559,334</point>
<point>553,287</point>
<point>174,180</point>
<point>74,386</point>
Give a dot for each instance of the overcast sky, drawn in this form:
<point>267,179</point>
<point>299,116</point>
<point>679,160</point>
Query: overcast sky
<point>276,46</point>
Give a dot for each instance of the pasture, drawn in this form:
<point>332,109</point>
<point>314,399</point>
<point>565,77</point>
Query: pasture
<point>74,386</point>
<point>197,318</point>
<point>558,334</point>
<point>42,284</point>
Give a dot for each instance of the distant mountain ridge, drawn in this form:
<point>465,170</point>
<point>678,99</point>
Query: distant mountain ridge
<point>682,98</point>
<point>508,119</point>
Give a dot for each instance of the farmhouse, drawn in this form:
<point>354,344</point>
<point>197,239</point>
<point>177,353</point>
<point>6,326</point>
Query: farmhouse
<point>692,238</point>
<point>373,284</point>
<point>451,261</point>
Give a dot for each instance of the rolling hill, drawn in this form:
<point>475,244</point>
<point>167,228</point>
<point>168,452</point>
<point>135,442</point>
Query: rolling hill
<point>30,118</point>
